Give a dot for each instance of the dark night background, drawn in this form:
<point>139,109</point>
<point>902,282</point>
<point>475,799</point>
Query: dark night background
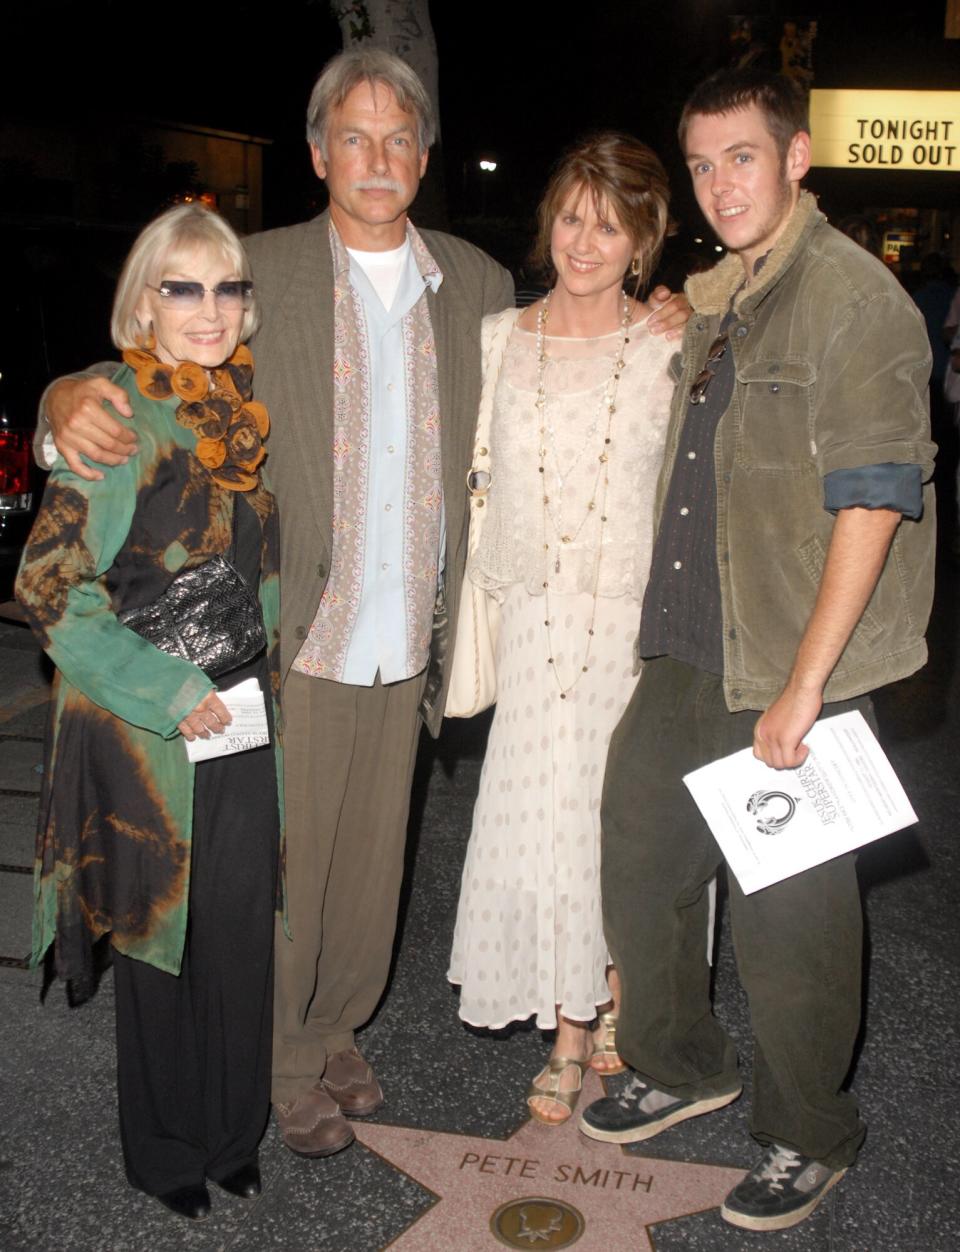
<point>518,81</point>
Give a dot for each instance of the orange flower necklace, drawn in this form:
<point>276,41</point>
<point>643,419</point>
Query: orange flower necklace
<point>217,406</point>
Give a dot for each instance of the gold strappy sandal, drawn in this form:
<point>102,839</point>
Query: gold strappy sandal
<point>554,1070</point>
<point>608,1048</point>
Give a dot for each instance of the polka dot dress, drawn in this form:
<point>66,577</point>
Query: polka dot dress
<point>529,932</point>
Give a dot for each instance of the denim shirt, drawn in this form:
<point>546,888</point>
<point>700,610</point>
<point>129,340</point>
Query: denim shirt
<point>832,365</point>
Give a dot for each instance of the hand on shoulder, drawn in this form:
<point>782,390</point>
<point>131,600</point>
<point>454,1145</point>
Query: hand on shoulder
<point>82,427</point>
<point>670,312</point>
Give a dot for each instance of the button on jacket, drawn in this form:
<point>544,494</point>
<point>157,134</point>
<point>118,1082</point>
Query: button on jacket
<point>293,272</point>
<point>832,365</point>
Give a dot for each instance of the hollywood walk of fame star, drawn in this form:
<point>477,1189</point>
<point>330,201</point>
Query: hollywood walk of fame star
<point>619,1195</point>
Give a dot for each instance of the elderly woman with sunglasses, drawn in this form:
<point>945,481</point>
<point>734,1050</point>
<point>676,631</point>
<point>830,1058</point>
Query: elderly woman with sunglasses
<point>177,862</point>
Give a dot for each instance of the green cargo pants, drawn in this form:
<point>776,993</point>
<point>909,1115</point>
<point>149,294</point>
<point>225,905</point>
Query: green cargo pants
<point>798,943</point>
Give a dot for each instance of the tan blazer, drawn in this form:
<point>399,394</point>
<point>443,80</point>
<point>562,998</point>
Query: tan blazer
<point>293,272</point>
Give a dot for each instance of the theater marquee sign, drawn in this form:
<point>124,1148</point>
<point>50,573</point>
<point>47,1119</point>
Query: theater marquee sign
<point>895,130</point>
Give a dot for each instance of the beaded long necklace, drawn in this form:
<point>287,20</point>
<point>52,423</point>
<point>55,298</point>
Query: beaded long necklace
<point>598,494</point>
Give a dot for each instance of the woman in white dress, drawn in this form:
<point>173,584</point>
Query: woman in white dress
<point>576,441</point>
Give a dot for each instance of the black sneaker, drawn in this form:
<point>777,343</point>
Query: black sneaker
<point>623,1119</point>
<point>780,1191</point>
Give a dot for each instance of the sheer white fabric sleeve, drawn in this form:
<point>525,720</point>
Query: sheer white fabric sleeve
<point>517,526</point>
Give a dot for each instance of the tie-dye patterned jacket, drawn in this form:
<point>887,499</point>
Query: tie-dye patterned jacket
<point>113,844</point>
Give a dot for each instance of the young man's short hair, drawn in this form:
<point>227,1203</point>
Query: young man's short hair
<point>783,105</point>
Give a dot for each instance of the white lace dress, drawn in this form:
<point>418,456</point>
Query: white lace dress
<point>529,931</point>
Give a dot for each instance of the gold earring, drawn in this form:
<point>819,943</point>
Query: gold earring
<point>635,265</point>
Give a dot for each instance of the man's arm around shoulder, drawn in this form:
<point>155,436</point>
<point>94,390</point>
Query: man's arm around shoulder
<point>72,413</point>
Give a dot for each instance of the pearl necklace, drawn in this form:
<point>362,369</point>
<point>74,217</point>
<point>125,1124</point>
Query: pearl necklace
<point>601,483</point>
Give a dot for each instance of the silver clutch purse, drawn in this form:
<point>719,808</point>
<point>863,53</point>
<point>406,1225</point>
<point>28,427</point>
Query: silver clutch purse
<point>207,615</point>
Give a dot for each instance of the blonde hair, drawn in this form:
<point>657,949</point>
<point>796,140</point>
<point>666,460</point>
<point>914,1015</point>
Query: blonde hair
<point>178,231</point>
<point>368,65</point>
<point>619,171</point>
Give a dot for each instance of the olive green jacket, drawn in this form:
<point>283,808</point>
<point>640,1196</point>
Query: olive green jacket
<point>832,365</point>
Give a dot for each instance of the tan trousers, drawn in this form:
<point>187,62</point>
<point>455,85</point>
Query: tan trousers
<point>349,758</point>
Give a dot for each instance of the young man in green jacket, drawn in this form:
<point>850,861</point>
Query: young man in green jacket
<point>792,575</point>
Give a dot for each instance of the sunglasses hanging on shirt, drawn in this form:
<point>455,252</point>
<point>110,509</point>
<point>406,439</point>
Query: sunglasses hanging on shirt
<point>698,389</point>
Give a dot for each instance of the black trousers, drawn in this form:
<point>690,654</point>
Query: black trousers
<point>193,1051</point>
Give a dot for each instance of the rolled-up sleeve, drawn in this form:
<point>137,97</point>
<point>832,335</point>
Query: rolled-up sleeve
<point>872,411</point>
<point>886,486</point>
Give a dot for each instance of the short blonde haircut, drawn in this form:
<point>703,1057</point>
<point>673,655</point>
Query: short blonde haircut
<point>172,235</point>
<point>368,65</point>
<point>619,171</point>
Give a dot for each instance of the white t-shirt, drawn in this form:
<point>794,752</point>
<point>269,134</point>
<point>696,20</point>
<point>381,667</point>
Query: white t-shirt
<point>383,269</point>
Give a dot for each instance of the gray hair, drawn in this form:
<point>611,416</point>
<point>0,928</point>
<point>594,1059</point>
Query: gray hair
<point>368,65</point>
<point>171,235</point>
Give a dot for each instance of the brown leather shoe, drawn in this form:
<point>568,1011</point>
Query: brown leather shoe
<point>350,1081</point>
<point>312,1124</point>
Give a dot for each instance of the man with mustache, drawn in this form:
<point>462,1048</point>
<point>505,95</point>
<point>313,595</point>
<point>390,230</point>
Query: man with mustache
<point>369,362</point>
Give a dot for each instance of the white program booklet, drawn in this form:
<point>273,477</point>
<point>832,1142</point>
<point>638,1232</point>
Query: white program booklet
<point>247,730</point>
<point>771,824</point>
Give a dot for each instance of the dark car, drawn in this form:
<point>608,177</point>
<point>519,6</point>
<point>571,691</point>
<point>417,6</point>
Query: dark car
<point>54,317</point>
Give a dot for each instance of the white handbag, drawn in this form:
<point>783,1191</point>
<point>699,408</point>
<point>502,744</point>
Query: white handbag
<point>473,667</point>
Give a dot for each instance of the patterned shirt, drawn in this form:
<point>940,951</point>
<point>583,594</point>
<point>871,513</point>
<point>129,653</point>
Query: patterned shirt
<point>376,612</point>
